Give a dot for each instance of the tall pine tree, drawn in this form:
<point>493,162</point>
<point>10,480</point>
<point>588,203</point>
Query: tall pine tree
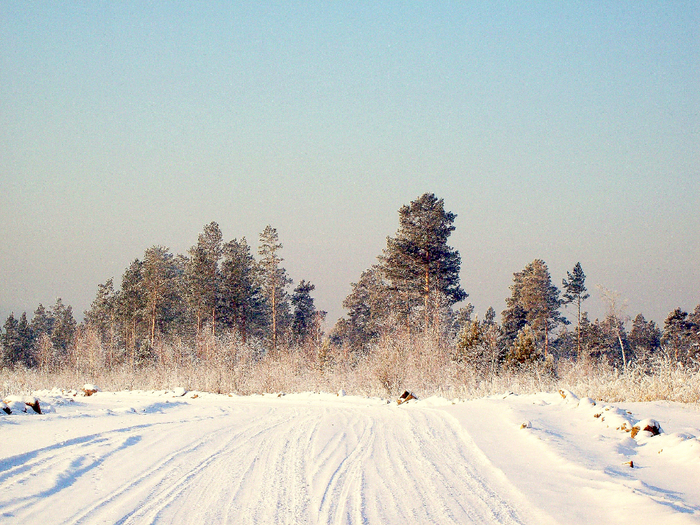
<point>418,263</point>
<point>274,282</point>
<point>575,292</point>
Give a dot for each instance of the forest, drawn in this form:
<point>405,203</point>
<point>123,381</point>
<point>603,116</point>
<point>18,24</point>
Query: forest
<point>219,318</point>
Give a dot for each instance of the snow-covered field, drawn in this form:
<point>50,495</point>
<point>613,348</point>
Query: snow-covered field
<point>165,457</point>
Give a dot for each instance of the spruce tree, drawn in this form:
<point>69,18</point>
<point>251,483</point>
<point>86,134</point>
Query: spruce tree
<point>418,263</point>
<point>575,292</point>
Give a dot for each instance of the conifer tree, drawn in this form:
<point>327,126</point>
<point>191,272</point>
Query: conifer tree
<point>159,287</point>
<point>202,277</point>
<point>644,337</point>
<point>418,263</point>
<point>64,328</point>
<point>575,292</point>
<point>42,322</point>
<point>26,339</point>
<point>370,311</point>
<point>102,315</point>
<point>304,315</point>
<point>490,316</point>
<point>524,351</point>
<point>242,304</point>
<point>534,301</point>
<point>680,333</point>
<point>131,306</point>
<point>10,342</point>
<point>274,282</point>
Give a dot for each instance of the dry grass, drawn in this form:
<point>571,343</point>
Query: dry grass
<point>392,366</point>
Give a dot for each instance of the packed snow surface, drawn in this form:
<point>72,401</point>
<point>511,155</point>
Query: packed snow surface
<point>192,457</point>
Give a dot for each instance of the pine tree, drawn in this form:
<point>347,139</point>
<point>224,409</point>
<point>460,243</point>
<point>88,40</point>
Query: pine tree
<point>10,342</point>
<point>370,310</point>
<point>644,337</point>
<point>102,315</point>
<point>274,282</point>
<point>534,301</point>
<point>242,304</point>
<point>524,350</point>
<point>575,292</point>
<point>304,312</point>
<point>418,263</point>
<point>41,327</point>
<point>26,340</point>
<point>202,277</point>
<point>681,334</point>
<point>513,319</point>
<point>42,322</point>
<point>64,328</point>
<point>131,306</point>
<point>159,284</point>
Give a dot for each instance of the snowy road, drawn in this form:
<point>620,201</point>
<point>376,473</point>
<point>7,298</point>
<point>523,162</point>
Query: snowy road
<point>249,462</point>
<point>133,458</point>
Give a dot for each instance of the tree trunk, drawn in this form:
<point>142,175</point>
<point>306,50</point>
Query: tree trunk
<point>426,299</point>
<point>622,350</point>
<point>133,342</point>
<point>578,332</point>
<point>274,319</point>
<point>153,325</point>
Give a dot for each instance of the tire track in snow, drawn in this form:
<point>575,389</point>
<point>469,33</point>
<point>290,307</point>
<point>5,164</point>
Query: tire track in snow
<point>160,485</point>
<point>344,481</point>
<point>268,462</point>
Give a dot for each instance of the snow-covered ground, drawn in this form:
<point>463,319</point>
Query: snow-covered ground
<point>165,457</point>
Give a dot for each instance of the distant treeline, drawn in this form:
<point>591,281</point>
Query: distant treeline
<point>220,289</point>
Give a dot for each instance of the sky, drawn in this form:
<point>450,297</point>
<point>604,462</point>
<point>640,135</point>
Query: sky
<point>564,131</point>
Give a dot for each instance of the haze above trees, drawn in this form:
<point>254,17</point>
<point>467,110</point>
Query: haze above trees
<point>218,290</point>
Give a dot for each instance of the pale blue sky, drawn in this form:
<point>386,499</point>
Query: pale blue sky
<point>564,131</point>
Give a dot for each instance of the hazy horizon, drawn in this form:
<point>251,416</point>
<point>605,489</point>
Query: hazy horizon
<point>565,132</point>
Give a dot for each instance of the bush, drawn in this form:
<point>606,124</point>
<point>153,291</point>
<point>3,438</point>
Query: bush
<point>399,361</point>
